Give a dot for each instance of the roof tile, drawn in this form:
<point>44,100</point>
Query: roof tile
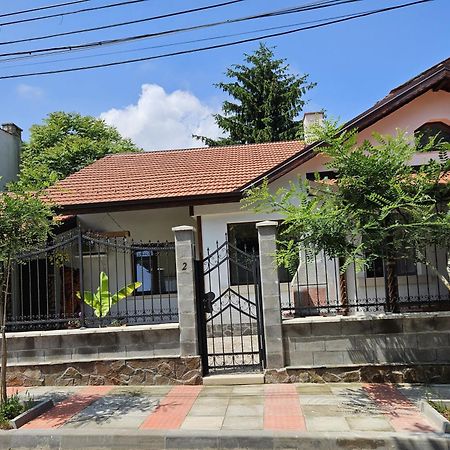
<point>171,173</point>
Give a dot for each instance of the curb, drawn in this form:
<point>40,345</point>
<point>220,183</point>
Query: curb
<point>434,417</point>
<point>179,439</point>
<point>30,414</point>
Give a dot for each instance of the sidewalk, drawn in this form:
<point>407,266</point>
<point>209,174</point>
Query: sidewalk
<point>252,411</point>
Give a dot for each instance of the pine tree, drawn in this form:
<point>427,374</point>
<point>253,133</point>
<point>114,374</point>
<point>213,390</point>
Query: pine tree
<point>268,100</point>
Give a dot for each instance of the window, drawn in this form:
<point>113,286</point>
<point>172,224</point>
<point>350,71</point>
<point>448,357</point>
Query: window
<point>244,236</point>
<point>404,267</point>
<point>330,174</point>
<point>429,130</point>
<point>155,269</point>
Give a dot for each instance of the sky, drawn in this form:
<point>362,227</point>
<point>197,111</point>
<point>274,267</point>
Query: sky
<point>161,103</point>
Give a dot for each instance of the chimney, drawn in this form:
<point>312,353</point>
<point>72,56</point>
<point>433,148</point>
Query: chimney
<point>13,129</point>
<point>310,120</point>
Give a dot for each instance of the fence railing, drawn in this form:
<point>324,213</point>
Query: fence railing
<point>73,283</point>
<point>320,287</point>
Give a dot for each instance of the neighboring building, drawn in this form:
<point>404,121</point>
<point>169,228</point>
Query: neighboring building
<point>142,196</point>
<point>10,147</point>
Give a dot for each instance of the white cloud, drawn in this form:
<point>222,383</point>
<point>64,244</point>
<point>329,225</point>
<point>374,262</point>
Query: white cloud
<point>29,92</point>
<point>161,120</point>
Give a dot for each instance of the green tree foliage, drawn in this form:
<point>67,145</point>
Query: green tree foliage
<point>64,144</point>
<point>25,223</point>
<point>265,101</point>
<point>378,205</point>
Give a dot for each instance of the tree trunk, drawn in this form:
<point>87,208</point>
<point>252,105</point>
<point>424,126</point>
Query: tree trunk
<point>391,282</point>
<point>3,310</point>
<point>3,394</point>
<point>343,288</point>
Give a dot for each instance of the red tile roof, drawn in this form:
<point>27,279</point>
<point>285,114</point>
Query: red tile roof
<point>160,175</point>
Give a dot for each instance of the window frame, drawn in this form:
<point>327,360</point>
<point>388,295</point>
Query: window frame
<point>156,278</point>
<point>426,131</point>
<point>377,273</point>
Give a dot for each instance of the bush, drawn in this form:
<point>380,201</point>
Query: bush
<point>10,409</point>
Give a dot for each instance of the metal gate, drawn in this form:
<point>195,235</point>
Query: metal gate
<point>229,311</point>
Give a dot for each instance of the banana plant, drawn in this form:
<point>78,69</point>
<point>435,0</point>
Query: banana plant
<point>102,300</point>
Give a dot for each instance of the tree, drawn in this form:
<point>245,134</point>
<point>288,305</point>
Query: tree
<point>64,144</point>
<point>268,100</point>
<point>377,206</point>
<point>25,223</point>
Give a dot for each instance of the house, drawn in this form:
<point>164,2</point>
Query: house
<point>134,201</point>
<point>10,146</point>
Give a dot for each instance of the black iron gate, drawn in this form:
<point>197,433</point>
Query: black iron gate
<point>229,311</point>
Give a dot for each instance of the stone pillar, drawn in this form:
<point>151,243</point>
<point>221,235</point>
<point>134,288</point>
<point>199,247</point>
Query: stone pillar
<point>184,254</point>
<point>270,294</point>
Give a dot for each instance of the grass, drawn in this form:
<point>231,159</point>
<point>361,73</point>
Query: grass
<point>12,408</point>
<point>441,409</point>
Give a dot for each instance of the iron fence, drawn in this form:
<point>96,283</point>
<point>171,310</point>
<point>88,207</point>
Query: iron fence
<point>320,287</point>
<point>84,279</point>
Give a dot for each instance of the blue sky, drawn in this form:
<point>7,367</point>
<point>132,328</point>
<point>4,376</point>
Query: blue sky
<point>354,63</point>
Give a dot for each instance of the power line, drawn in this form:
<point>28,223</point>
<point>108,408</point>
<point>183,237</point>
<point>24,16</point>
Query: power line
<point>151,18</point>
<point>217,46</point>
<point>42,8</point>
<point>69,13</point>
<point>90,45</point>
<point>173,44</point>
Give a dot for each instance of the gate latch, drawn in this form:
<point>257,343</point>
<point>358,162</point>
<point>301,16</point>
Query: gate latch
<point>207,301</point>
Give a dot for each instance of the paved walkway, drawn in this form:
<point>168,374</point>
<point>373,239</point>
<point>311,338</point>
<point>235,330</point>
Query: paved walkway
<point>273,407</point>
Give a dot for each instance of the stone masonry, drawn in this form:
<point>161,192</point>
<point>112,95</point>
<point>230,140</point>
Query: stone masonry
<point>376,373</point>
<point>59,346</point>
<point>149,371</point>
<point>145,354</point>
<point>378,348</point>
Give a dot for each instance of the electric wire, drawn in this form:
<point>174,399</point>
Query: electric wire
<point>216,46</point>
<point>309,6</point>
<point>69,13</point>
<point>42,8</point>
<point>173,44</point>
<point>89,45</point>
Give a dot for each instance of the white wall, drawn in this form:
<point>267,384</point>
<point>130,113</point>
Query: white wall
<point>429,107</point>
<point>148,225</point>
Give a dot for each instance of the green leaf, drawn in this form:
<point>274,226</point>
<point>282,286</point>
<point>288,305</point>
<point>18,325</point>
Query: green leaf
<point>102,301</point>
<point>125,292</point>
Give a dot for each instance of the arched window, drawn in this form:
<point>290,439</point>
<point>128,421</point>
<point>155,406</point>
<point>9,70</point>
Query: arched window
<point>440,130</point>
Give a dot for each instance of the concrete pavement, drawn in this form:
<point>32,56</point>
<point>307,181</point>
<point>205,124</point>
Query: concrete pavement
<point>328,416</point>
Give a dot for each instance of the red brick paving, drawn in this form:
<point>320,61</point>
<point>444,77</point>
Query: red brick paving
<point>282,409</point>
<point>14,390</point>
<point>402,413</point>
<point>65,410</point>
<point>173,409</point>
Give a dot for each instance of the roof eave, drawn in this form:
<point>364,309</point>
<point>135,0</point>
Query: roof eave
<point>152,203</point>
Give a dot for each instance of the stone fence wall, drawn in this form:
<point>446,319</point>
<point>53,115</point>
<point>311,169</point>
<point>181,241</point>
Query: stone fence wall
<point>145,354</point>
<point>401,347</point>
<point>60,346</point>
